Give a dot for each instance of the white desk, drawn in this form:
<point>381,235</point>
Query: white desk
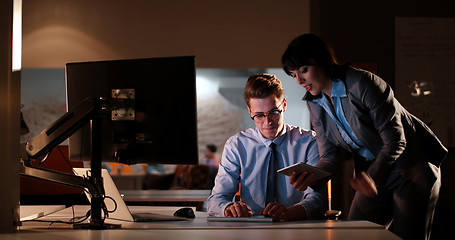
<point>199,229</point>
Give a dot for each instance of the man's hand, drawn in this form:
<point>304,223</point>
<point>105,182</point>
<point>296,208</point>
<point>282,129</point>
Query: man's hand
<point>275,210</point>
<point>237,209</point>
<point>301,181</point>
<point>280,213</point>
<point>363,183</point>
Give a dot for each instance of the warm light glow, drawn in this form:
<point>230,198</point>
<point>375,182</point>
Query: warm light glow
<point>62,44</point>
<point>17,35</point>
<point>329,188</point>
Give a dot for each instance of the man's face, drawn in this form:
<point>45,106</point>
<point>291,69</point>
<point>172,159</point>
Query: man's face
<point>271,124</point>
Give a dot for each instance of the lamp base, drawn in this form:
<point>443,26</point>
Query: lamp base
<point>332,214</point>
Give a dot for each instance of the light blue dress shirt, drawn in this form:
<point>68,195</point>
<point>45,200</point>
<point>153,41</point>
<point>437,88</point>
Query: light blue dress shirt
<point>245,160</point>
<point>338,92</point>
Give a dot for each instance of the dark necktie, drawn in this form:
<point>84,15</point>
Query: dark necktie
<point>271,175</point>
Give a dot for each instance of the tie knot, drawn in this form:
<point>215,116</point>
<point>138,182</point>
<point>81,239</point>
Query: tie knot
<point>272,146</point>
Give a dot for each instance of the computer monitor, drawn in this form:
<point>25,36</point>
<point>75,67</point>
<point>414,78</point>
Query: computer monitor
<point>157,118</point>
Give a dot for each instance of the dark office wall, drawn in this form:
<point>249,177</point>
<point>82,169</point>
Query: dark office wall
<point>222,34</point>
<point>364,32</point>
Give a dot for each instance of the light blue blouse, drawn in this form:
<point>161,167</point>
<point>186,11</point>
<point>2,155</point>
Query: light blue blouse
<point>338,92</point>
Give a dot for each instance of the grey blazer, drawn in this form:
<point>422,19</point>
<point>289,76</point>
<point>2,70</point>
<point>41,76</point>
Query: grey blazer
<point>402,143</point>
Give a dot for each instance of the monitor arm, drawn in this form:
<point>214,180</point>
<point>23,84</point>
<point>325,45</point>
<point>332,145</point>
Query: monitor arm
<point>62,128</point>
<point>40,146</point>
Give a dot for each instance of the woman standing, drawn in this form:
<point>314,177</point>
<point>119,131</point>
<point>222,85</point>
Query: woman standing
<point>397,157</point>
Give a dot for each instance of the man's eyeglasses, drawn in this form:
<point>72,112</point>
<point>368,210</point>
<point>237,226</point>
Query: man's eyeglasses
<point>272,114</point>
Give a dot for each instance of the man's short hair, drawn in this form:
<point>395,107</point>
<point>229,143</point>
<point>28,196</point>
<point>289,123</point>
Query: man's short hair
<point>262,86</point>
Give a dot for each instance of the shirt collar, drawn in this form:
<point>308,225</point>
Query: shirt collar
<point>338,88</point>
<point>277,140</point>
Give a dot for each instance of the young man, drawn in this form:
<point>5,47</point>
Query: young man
<point>247,159</point>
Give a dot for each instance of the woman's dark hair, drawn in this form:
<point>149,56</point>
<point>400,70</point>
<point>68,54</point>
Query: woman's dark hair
<point>310,49</point>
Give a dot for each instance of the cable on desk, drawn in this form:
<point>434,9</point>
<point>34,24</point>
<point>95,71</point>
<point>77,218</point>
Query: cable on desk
<point>103,204</point>
<point>115,204</point>
<point>80,219</point>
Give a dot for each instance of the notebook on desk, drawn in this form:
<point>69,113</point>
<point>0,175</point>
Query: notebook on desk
<point>115,201</point>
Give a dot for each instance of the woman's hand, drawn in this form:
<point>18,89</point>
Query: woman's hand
<point>363,183</point>
<point>301,181</point>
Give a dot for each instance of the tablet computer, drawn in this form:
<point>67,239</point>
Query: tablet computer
<point>301,167</point>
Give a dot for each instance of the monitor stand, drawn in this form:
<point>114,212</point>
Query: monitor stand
<point>97,201</point>
<point>89,110</point>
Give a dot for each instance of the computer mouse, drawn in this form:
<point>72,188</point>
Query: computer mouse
<point>185,212</point>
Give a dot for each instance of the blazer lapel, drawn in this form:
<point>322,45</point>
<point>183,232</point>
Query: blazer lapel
<point>334,129</point>
<point>355,118</point>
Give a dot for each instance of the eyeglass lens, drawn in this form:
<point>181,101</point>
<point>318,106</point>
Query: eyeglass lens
<point>272,115</point>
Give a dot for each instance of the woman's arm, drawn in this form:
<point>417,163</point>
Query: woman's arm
<point>385,112</point>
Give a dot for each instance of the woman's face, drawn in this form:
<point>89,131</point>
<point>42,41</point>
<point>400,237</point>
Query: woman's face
<point>313,79</point>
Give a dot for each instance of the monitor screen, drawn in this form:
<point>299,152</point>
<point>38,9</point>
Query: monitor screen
<point>156,121</point>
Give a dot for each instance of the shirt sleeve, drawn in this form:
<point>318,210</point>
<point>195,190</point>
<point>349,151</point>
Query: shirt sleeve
<point>226,181</point>
<point>385,112</point>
